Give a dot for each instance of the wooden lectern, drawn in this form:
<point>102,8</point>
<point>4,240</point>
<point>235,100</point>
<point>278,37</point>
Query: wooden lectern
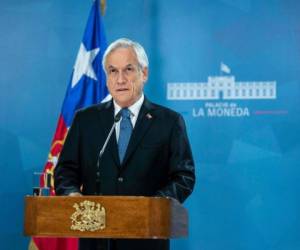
<point>105,217</point>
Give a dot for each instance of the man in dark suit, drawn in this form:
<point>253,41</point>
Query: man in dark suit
<point>149,153</point>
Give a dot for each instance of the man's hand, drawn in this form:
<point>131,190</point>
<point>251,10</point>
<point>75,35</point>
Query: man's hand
<point>74,194</point>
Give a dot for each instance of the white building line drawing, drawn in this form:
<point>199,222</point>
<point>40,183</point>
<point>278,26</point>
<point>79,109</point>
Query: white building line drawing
<point>221,87</point>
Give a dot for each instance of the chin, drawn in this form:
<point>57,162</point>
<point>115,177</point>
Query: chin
<point>123,102</point>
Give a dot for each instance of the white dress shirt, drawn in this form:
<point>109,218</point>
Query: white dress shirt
<point>134,112</point>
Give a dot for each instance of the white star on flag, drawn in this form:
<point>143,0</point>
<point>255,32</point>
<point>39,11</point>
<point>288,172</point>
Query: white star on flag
<point>83,64</point>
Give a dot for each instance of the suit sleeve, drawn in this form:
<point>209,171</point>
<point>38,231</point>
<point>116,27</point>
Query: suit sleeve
<point>181,174</point>
<point>67,172</point>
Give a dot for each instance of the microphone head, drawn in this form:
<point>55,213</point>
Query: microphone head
<point>117,117</point>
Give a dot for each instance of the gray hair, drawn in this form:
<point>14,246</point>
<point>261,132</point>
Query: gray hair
<point>126,43</point>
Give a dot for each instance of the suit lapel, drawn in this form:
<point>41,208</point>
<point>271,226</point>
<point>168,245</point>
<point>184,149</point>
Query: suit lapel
<point>143,123</point>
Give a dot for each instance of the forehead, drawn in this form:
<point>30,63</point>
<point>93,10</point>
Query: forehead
<point>121,57</point>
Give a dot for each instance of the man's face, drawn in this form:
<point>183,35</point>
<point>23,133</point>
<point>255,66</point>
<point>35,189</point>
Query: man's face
<point>125,78</point>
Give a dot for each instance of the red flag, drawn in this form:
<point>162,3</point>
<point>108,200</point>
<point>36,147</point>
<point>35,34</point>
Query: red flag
<point>87,87</point>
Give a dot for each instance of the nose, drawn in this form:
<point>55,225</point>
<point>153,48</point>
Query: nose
<point>121,78</point>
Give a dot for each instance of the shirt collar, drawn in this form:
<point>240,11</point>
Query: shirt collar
<point>134,108</point>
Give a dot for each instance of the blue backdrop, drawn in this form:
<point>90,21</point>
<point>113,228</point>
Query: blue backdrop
<point>248,171</point>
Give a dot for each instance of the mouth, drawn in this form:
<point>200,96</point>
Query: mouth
<point>121,90</point>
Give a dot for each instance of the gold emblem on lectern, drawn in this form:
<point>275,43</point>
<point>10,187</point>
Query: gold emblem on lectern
<point>89,216</point>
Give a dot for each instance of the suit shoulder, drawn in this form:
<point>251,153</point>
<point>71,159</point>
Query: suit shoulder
<point>165,111</point>
<point>93,108</point>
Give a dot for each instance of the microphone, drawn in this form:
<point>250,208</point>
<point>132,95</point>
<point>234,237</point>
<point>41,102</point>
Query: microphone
<point>101,152</point>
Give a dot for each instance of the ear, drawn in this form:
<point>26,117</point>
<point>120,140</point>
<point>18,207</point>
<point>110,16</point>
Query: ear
<point>145,74</point>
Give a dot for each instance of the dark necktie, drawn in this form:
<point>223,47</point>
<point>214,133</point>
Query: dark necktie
<point>125,132</point>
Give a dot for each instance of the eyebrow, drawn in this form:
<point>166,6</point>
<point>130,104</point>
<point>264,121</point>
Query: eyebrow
<point>111,66</point>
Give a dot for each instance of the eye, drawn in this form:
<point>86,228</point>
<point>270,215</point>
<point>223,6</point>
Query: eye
<point>129,69</point>
<point>112,71</point>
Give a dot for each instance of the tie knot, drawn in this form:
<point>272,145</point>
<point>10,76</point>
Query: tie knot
<point>125,113</point>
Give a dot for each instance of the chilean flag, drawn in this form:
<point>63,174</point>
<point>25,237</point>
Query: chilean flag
<point>87,86</point>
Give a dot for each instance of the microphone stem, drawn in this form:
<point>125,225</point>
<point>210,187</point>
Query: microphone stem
<point>99,157</point>
<point>116,119</point>
<point>106,141</point>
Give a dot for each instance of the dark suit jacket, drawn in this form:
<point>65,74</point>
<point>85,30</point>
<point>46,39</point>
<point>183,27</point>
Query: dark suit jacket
<point>158,160</point>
